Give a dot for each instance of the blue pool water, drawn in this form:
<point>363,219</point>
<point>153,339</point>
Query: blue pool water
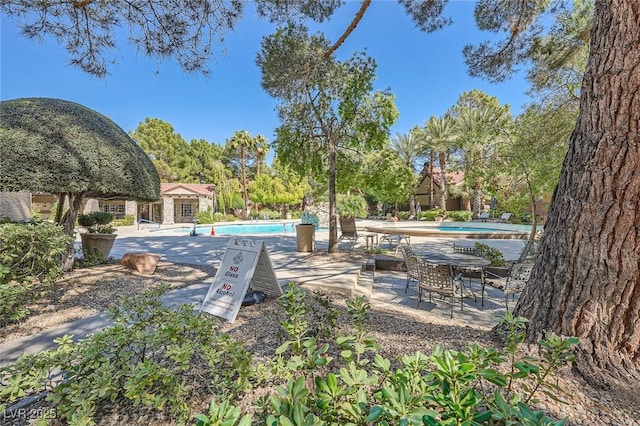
<point>245,228</point>
<point>458,228</point>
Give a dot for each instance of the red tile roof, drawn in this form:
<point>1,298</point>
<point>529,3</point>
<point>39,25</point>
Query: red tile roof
<point>199,188</point>
<point>453,178</point>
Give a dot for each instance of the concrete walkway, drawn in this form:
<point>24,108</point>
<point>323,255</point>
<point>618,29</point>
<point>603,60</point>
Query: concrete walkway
<point>176,245</point>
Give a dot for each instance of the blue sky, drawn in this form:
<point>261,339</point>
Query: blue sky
<point>426,73</point>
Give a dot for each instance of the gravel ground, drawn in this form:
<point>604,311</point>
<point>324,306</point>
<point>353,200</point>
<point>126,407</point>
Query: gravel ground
<point>397,330</point>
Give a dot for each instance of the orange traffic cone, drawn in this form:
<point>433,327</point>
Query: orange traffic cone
<point>213,231</point>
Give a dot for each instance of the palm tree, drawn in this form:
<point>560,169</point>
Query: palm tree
<point>408,148</point>
<point>478,131</point>
<point>242,144</point>
<point>437,137</point>
<point>261,151</point>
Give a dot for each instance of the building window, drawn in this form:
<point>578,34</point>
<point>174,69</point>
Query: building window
<point>186,210</point>
<point>117,210</point>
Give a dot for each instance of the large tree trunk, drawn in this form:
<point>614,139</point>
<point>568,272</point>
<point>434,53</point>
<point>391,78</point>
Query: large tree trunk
<point>586,281</point>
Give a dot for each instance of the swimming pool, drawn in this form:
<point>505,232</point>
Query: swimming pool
<point>244,228</point>
<point>454,229</point>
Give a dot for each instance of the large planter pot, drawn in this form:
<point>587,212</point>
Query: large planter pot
<point>305,236</point>
<point>97,246</point>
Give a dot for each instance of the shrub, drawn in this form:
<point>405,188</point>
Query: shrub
<point>97,222</point>
<point>160,357</point>
<point>402,215</point>
<point>29,253</point>
<point>127,220</point>
<point>205,217</point>
<point>265,214</point>
<point>446,387</point>
<point>32,251</point>
<point>152,355</point>
<point>460,215</point>
<point>490,253</point>
<point>431,215</point>
<point>222,217</point>
<point>352,205</point>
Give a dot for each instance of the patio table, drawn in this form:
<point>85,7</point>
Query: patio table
<point>461,262</point>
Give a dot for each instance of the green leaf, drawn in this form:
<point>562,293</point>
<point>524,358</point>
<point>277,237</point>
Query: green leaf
<point>374,414</point>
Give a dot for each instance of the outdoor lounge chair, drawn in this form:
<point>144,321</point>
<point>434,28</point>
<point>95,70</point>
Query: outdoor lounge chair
<point>505,217</point>
<point>394,240</point>
<point>348,230</point>
<point>484,216</point>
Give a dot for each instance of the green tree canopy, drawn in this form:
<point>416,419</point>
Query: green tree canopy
<point>168,150</point>
<point>60,147</point>
<point>327,106</point>
<point>56,146</point>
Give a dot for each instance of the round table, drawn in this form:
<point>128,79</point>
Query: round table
<point>464,262</point>
<point>455,259</point>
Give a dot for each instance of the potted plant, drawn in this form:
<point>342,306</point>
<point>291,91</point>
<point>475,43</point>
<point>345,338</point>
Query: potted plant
<point>306,231</point>
<point>100,236</point>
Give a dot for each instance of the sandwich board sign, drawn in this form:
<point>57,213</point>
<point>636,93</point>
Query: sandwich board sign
<point>245,264</point>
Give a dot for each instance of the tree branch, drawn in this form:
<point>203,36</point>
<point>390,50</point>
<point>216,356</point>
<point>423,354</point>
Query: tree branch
<point>352,26</point>
<point>81,3</point>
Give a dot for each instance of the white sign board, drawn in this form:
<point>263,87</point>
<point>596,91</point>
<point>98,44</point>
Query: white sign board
<point>245,264</point>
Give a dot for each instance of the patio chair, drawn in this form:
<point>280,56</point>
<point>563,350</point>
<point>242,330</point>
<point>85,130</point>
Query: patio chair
<point>484,216</point>
<point>439,279</point>
<point>471,251</point>
<point>514,282</point>
<point>470,272</point>
<point>348,230</point>
<point>411,262</point>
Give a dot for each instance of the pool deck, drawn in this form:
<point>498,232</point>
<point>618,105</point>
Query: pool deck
<point>347,277</point>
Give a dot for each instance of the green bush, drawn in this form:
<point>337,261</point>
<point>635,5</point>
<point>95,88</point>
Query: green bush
<point>97,222</point>
<point>222,217</point>
<point>205,217</point>
<point>431,215</point>
<point>127,220</point>
<point>160,357</point>
<point>29,253</point>
<point>152,355</point>
<point>352,205</point>
<point>402,215</point>
<point>32,251</point>
<point>446,387</point>
<point>490,253</point>
<point>460,215</point>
